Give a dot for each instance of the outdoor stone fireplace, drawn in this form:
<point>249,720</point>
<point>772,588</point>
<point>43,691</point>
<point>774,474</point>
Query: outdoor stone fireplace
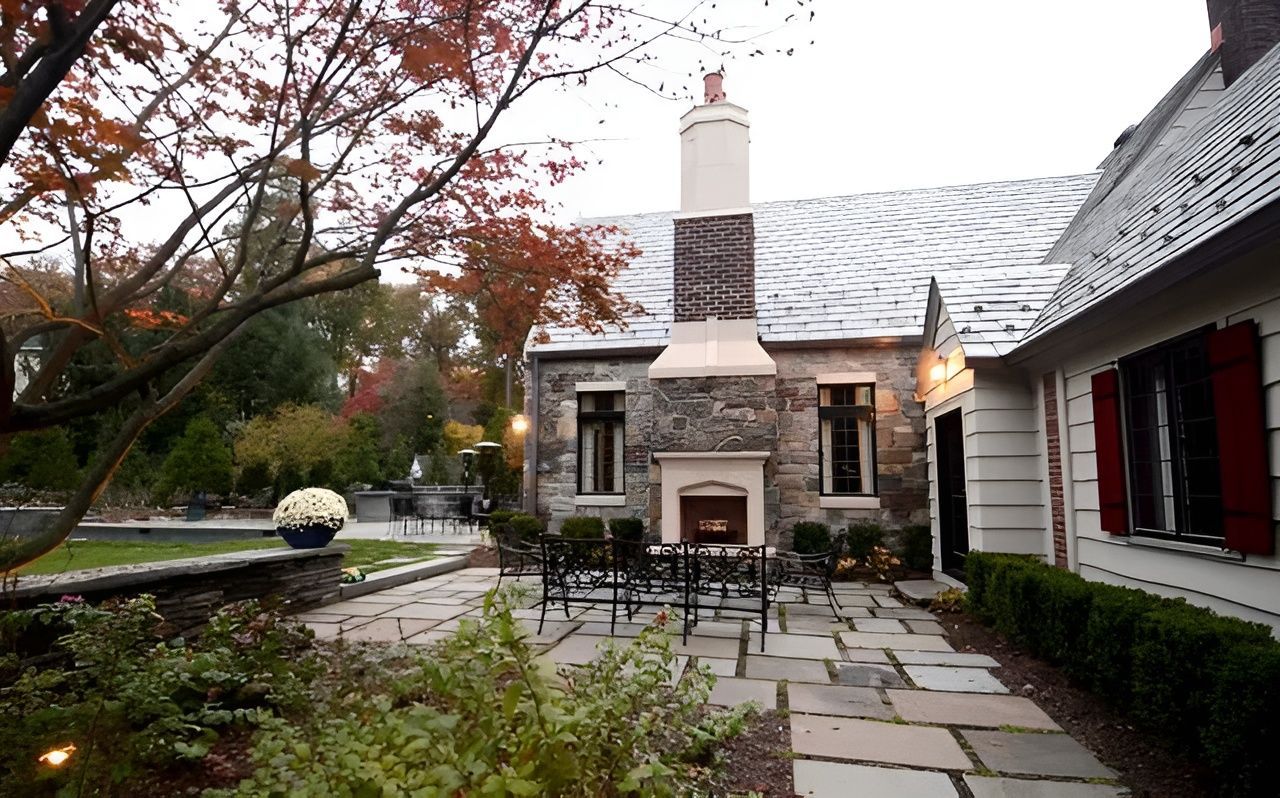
<point>713,497</point>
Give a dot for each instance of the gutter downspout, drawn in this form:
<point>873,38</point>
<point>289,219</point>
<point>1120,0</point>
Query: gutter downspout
<point>531,444</point>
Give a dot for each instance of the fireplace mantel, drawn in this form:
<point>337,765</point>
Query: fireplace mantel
<point>712,474</point>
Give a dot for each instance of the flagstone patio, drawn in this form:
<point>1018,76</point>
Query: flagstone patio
<point>879,704</point>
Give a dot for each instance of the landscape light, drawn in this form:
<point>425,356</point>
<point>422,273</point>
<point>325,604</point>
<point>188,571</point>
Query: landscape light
<point>57,756</point>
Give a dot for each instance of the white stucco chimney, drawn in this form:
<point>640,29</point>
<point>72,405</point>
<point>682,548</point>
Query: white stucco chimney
<point>714,159</point>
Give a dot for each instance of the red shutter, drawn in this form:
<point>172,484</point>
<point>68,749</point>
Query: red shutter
<point>1235,363</point>
<point>1112,496</point>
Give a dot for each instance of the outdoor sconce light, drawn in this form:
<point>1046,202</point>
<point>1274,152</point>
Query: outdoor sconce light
<point>938,372</point>
<point>519,425</point>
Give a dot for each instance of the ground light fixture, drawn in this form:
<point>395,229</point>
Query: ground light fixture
<point>56,757</point>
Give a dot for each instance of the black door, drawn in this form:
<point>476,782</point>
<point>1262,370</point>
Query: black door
<point>953,505</point>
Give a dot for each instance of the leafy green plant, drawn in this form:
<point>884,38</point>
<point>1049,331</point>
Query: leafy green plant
<point>582,527</point>
<point>501,516</point>
<point>199,461</point>
<point>862,537</point>
<point>482,714</point>
<point>917,547</point>
<point>628,529</point>
<point>134,700</point>
<point>949,600</point>
<point>41,460</point>
<point>810,537</point>
<point>528,527</point>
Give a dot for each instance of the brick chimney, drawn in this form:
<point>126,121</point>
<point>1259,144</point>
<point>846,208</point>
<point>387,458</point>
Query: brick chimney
<point>714,282</point>
<point>1244,31</point>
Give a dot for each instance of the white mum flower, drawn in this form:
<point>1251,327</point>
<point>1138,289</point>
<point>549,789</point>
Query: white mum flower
<point>311,507</point>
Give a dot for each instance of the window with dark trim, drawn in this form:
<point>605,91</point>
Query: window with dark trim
<point>847,440</point>
<point>1171,441</point>
<point>601,420</point>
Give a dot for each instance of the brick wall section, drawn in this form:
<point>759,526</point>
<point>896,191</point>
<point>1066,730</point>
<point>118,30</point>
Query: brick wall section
<point>1250,28</point>
<point>715,270</point>
<point>1057,509</point>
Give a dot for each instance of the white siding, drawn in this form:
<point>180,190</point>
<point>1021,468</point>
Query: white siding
<point>1249,289</point>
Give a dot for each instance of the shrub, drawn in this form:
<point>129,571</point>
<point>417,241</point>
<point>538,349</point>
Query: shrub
<point>1242,732</point>
<point>917,547</point>
<point>501,516</point>
<point>478,715</point>
<point>862,537</point>
<point>628,529</point>
<point>528,527</point>
<point>41,460</point>
<point>134,699</point>
<point>582,527</point>
<point>1176,652</point>
<point>199,461</point>
<point>1201,678</point>
<point>810,537</point>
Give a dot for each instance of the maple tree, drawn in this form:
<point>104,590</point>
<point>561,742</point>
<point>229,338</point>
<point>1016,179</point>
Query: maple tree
<point>340,136</point>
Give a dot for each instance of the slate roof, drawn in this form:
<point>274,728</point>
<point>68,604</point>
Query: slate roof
<point>857,266</point>
<point>992,307</point>
<point>1155,205</point>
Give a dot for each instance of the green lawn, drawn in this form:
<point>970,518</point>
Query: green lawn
<point>75,555</point>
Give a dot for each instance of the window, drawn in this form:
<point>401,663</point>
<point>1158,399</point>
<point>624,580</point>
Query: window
<point>601,416</point>
<point>1171,442</point>
<point>847,439</point>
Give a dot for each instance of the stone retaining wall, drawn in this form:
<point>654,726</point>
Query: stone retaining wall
<point>189,591</point>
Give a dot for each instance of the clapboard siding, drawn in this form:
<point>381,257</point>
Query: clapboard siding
<point>1003,451</point>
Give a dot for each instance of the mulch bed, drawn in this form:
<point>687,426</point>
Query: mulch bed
<point>1149,766</point>
<point>483,557</point>
<point>757,760</point>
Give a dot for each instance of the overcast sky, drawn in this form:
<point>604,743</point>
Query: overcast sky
<point>896,95</point>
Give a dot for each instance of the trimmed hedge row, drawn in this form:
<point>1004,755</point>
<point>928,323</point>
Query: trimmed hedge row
<point>1212,682</point>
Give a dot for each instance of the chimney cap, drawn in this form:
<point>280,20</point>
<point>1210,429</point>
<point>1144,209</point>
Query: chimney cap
<point>713,88</point>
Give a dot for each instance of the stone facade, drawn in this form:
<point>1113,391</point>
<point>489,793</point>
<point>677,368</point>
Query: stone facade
<point>776,414</point>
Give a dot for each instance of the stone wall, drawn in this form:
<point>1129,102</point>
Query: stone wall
<point>188,591</point>
<point>738,414</point>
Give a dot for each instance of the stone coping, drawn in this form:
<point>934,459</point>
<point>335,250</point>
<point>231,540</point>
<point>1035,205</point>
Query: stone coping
<point>115,577</point>
<point>402,575</point>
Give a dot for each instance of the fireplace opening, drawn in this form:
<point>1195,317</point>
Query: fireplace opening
<point>713,519</point>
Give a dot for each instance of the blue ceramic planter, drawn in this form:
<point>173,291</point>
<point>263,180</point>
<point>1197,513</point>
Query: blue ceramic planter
<point>309,537</point>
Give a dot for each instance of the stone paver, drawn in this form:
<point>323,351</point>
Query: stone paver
<point>916,590</point>
<point>970,709</point>
<point>815,779</point>
<point>388,630</point>
<point>925,627</point>
<point>797,646</point>
<point>826,699</point>
<point>955,680</point>
<point>845,689</point>
<point>873,741</point>
<point>795,670</point>
<point>991,787</point>
<point>908,642</point>
<point>868,675</point>
<point>1036,754</point>
<point>720,667</point>
<point>730,691</point>
<point>880,625</point>
<point>945,658</point>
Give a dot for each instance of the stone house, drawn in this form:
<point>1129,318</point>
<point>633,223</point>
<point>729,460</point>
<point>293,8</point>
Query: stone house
<point>772,376</point>
<point>1115,409</point>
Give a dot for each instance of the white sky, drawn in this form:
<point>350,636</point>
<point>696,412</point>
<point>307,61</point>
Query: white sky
<point>894,95</point>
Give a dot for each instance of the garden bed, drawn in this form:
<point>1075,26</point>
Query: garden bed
<point>1149,765</point>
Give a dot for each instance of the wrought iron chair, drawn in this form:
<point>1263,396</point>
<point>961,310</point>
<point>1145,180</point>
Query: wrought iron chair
<point>516,557</point>
<point>735,578</point>
<point>807,572</point>
<point>656,574</point>
<point>577,571</point>
<point>401,512</point>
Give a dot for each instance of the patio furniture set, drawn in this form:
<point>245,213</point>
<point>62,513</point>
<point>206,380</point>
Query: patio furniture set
<point>418,513</point>
<point>626,576</point>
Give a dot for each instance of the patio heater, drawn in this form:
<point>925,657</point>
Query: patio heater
<point>468,465</point>
<point>487,449</point>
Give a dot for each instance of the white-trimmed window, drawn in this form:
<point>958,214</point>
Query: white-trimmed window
<point>847,439</point>
<point>601,421</point>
